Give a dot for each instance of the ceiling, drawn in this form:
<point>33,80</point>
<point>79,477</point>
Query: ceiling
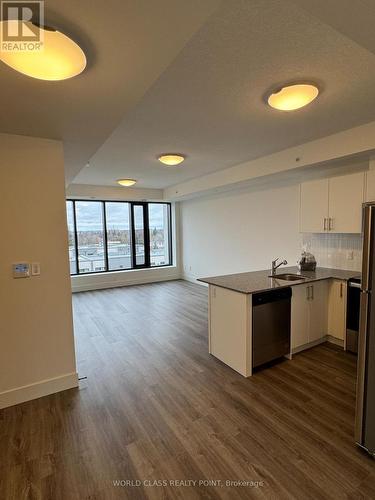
<point>209,102</point>
<point>199,89</point>
<point>128,45</point>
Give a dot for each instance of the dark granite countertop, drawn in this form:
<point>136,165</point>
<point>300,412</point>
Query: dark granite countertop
<point>259,281</point>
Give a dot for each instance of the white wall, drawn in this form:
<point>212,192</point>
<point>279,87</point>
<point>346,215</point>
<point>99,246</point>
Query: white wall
<point>239,231</point>
<point>36,332</point>
<point>244,230</point>
<point>112,193</point>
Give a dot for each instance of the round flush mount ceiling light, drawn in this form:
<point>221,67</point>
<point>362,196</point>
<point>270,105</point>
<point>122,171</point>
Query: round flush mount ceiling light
<point>292,97</point>
<point>171,159</point>
<point>57,58</point>
<point>126,182</point>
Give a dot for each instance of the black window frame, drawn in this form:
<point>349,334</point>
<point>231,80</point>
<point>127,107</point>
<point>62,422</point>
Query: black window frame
<point>146,231</point>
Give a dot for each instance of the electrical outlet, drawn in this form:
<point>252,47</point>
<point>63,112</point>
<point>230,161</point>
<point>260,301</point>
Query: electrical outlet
<point>350,255</point>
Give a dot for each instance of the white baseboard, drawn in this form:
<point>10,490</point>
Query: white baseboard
<point>335,341</point>
<point>103,284</point>
<point>326,338</point>
<point>192,279</point>
<point>38,390</point>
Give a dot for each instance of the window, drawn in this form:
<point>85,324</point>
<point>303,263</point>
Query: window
<point>158,216</point>
<point>118,236</point>
<point>90,236</point>
<point>71,237</point>
<point>113,235</point>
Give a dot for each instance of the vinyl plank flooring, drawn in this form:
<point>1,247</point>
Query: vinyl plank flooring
<point>157,408</point>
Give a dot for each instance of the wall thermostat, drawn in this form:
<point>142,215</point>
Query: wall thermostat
<point>21,270</point>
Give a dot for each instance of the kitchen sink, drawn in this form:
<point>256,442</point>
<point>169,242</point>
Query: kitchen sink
<point>289,277</point>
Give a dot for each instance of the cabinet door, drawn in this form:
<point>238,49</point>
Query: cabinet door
<point>337,309</point>
<point>300,316</point>
<point>370,186</point>
<point>314,206</point>
<point>318,311</point>
<point>346,195</point>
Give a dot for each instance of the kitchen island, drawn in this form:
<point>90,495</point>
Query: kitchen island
<point>318,311</point>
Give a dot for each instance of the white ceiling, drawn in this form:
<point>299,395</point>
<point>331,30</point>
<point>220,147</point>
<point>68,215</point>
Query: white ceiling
<point>190,77</point>
<point>128,44</point>
<point>209,102</point>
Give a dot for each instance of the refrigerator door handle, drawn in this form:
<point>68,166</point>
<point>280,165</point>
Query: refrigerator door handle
<point>361,372</point>
<point>367,221</point>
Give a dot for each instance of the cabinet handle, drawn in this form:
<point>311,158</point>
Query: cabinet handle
<point>310,293</point>
<point>330,224</point>
<point>325,223</point>
<point>341,290</point>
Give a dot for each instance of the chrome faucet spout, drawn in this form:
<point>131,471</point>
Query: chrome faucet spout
<point>276,265</point>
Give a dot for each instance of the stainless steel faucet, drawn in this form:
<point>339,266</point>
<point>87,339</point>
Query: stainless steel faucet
<point>276,266</point>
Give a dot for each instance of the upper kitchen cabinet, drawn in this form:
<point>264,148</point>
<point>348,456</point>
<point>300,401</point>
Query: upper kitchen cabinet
<point>333,205</point>
<point>346,195</point>
<point>314,206</point>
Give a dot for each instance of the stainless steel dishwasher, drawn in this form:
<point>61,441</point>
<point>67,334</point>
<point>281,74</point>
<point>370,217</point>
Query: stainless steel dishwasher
<point>271,325</point>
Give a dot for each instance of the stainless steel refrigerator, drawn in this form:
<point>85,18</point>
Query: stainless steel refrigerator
<point>365,411</point>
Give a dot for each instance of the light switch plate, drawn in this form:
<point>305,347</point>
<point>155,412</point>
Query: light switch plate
<point>21,270</point>
<point>35,269</point>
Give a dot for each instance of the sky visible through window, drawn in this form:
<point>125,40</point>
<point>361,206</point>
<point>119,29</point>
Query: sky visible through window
<point>89,220</point>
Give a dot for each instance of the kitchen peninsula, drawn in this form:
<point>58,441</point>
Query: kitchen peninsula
<point>307,310</point>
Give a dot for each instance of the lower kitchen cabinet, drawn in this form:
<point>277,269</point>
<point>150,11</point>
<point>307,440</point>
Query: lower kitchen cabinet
<point>337,310</point>
<point>300,316</point>
<point>309,313</point>
<point>318,310</point>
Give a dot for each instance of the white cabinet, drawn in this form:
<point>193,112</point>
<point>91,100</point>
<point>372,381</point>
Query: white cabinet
<point>300,316</point>
<point>332,205</point>
<point>314,206</point>
<point>337,310</point>
<point>318,310</point>
<point>309,316</point>
<point>346,196</point>
<point>230,328</point>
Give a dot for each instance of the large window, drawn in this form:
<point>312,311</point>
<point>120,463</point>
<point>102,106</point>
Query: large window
<point>158,217</point>
<point>113,235</point>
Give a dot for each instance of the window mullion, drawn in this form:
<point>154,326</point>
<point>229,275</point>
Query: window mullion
<point>146,235</point>
<point>75,236</point>
<point>170,242</point>
<point>132,236</point>
<point>105,246</point>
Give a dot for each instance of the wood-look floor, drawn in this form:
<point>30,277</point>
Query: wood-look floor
<point>157,406</point>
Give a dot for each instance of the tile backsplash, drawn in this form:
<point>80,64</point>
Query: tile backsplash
<point>338,251</point>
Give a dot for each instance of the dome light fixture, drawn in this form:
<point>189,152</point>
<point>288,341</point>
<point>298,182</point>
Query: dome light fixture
<point>59,58</point>
<point>171,159</point>
<point>293,96</point>
<point>126,182</point>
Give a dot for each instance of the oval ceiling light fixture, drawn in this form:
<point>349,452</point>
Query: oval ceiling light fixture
<point>126,182</point>
<point>171,159</point>
<point>294,96</point>
<point>59,57</point>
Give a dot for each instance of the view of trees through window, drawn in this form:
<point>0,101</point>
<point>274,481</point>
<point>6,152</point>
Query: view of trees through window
<point>158,215</point>
<point>110,236</point>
